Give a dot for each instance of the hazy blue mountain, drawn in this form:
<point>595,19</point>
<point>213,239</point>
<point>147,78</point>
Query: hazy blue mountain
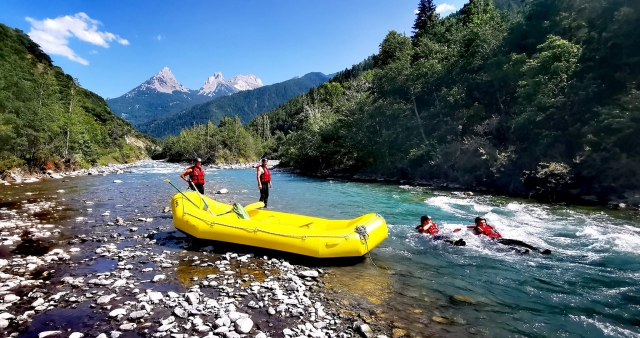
<point>246,105</point>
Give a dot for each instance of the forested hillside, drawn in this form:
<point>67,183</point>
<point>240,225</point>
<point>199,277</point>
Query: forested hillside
<point>541,101</point>
<point>246,105</point>
<point>47,120</point>
<point>145,107</point>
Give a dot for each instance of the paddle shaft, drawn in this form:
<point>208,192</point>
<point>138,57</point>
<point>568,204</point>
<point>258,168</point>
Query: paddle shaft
<point>185,196</point>
<point>206,206</point>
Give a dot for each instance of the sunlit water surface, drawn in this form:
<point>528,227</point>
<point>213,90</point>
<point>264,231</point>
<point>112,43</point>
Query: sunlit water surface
<point>588,287</point>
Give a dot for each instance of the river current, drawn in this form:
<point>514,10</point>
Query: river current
<point>588,287</point>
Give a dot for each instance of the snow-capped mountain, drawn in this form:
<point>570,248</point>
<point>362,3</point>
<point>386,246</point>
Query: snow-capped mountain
<point>245,82</point>
<point>163,82</point>
<point>163,95</point>
<point>216,84</point>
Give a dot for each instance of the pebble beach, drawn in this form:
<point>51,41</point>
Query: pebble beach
<point>104,275</point>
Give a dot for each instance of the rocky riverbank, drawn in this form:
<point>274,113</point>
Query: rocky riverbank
<point>138,276</point>
<point>630,203</point>
<point>248,165</point>
<point>18,176</point>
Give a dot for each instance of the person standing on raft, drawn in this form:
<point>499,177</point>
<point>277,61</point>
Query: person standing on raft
<point>428,227</point>
<point>482,228</point>
<point>264,181</point>
<point>196,176</point>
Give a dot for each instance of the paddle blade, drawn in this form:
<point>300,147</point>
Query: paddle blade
<point>254,206</point>
<point>457,229</point>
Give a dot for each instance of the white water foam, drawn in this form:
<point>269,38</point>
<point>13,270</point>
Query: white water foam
<point>607,329</point>
<point>591,235</point>
<point>165,169</point>
<point>450,204</point>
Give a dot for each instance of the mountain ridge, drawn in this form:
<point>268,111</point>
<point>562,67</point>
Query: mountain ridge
<point>162,95</point>
<point>246,105</point>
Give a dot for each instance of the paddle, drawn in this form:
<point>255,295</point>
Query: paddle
<point>185,196</point>
<point>206,206</point>
<point>248,207</point>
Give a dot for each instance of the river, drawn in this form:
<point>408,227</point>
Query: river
<point>588,287</point>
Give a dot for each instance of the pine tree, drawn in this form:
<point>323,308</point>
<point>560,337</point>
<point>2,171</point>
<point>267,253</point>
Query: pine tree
<point>425,18</point>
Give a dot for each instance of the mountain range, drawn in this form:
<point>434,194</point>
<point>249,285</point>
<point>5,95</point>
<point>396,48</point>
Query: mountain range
<point>162,95</point>
<point>245,104</point>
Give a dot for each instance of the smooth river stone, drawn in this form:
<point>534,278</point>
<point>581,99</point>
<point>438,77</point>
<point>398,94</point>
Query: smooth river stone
<point>441,320</point>
<point>464,299</point>
<point>244,325</point>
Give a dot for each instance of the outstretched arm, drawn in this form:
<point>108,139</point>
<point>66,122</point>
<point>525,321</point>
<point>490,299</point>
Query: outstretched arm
<point>468,227</point>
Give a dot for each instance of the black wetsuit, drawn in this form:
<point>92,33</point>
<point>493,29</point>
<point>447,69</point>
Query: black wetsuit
<point>515,242</point>
<point>264,193</point>
<point>195,186</point>
<point>459,242</point>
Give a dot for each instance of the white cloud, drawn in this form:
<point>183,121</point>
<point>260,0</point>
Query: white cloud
<point>53,34</point>
<point>93,51</point>
<point>445,8</point>
<point>160,37</point>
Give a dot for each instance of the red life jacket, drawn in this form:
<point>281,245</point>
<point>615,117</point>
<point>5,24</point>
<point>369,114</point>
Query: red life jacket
<point>265,177</point>
<point>196,175</point>
<point>431,230</point>
<point>486,230</point>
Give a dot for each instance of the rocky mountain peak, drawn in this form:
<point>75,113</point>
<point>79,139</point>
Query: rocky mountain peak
<point>245,82</point>
<point>216,84</point>
<point>163,82</point>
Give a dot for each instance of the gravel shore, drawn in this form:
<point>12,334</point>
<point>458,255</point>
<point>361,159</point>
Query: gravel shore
<point>129,277</point>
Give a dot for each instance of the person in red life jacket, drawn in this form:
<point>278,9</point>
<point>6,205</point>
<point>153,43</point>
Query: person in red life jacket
<point>196,176</point>
<point>428,227</point>
<point>482,228</point>
<point>264,181</point>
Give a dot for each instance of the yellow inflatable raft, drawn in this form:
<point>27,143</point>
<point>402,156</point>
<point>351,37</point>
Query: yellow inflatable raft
<point>305,235</point>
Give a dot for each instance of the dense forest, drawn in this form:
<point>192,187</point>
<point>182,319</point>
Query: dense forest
<point>245,104</point>
<point>143,107</point>
<point>48,121</point>
<point>540,99</point>
<point>227,142</point>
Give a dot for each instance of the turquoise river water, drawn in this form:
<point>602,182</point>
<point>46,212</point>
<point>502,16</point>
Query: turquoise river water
<point>588,287</point>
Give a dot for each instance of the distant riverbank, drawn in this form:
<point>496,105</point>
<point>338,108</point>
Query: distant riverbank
<point>630,204</point>
<point>18,176</point>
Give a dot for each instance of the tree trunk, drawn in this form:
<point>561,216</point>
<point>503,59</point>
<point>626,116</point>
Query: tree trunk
<point>415,110</point>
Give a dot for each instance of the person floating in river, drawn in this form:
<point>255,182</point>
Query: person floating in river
<point>196,176</point>
<point>264,181</point>
<point>428,227</point>
<point>482,228</point>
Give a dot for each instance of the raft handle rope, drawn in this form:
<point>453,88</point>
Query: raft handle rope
<point>364,236</point>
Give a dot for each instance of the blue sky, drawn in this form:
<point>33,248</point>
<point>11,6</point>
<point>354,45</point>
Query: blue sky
<point>113,46</point>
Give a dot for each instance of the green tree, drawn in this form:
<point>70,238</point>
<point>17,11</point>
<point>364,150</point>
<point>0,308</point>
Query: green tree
<point>426,19</point>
